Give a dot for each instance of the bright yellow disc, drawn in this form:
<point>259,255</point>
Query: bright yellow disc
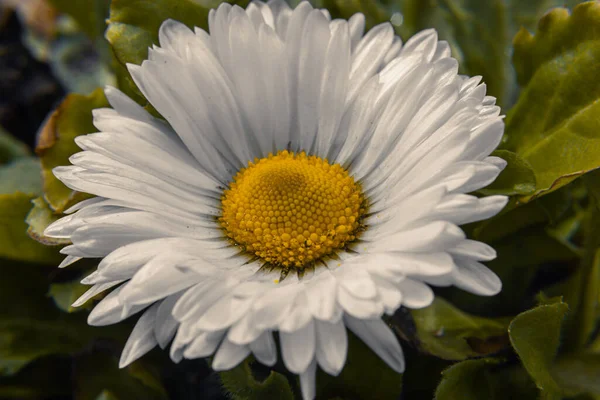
<point>292,209</point>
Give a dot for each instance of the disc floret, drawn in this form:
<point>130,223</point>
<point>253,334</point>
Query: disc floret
<point>291,209</point>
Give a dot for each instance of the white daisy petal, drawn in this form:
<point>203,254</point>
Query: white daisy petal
<point>332,346</point>
<point>174,36</point>
<point>298,348</point>
<point>201,297</point>
<point>485,139</point>
<point>68,260</point>
<point>321,296</point>
<point>442,50</point>
<point>358,283</point>
<point>390,296</point>
<point>125,106</point>
<point>409,264</point>
<point>165,324</point>
<point>380,338</point>
<point>203,345</point>
<point>423,42</point>
<point>245,330</point>
<point>155,281</point>
<point>360,308</point>
<point>415,294</point>
<point>312,58</point>
<point>281,15</point>
<point>223,313</point>
<point>277,99</point>
<point>256,15</point>
<point>269,310</point>
<point>432,236</point>
<point>141,340</point>
<point>394,50</point>
<point>229,355</point>
<point>357,28</point>
<point>110,310</point>
<point>369,54</point>
<point>334,86</point>
<point>308,382</point>
<point>476,278</point>
<point>474,250</point>
<point>93,291</point>
<point>297,316</point>
<point>463,209</point>
<point>264,349</point>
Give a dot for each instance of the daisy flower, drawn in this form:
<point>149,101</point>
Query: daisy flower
<point>307,179</point>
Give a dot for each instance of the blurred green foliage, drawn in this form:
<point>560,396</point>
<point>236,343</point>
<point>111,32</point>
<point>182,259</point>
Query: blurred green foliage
<point>556,114</point>
<point>537,339</point>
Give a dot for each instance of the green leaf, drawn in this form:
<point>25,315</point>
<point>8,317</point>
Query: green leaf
<point>581,291</point>
<point>526,14</point>
<point>15,244</point>
<point>90,15</point>
<point>21,175</point>
<point>578,374</point>
<point>24,340</point>
<point>10,147</point>
<point>80,66</point>
<point>46,378</point>
<point>553,126</point>
<point>65,294</point>
<point>583,300</point>
<point>38,220</point>
<point>56,144</point>
<point>511,219</point>
<point>516,178</point>
<point>32,327</point>
<point>486,379</point>
<point>99,372</point>
<point>20,181</point>
<point>469,379</point>
<point>565,231</point>
<point>547,211</point>
<point>592,184</point>
<point>557,33</point>
<point>242,385</point>
<point>451,334</point>
<point>81,58</point>
<point>535,336</point>
<point>30,324</point>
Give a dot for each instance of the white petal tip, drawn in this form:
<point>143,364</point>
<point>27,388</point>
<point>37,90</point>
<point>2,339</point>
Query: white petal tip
<point>492,288</point>
<point>68,261</point>
<point>91,279</point>
<point>476,278</point>
<point>497,201</point>
<point>123,362</point>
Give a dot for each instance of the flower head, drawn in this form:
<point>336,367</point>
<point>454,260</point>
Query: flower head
<point>307,179</point>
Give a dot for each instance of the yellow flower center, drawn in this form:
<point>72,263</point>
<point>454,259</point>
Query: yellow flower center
<point>292,209</point>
